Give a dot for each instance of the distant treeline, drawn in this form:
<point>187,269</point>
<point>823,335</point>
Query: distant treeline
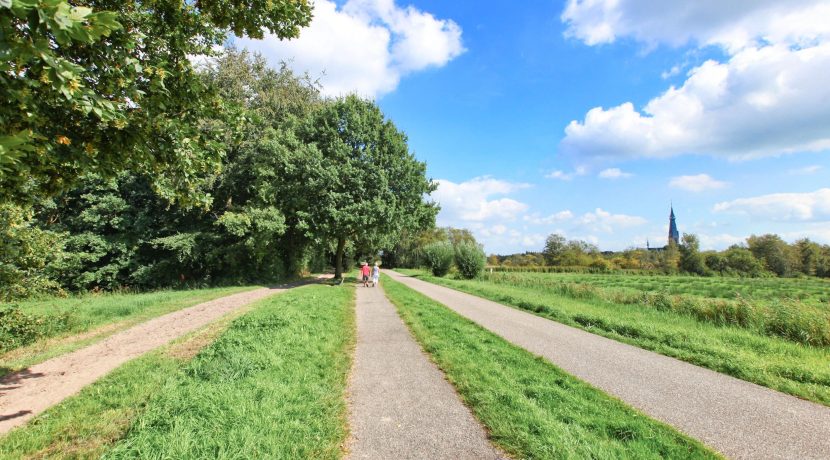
<point>765,255</point>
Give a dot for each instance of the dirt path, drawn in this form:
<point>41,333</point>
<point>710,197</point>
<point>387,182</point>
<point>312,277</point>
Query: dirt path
<point>400,404</point>
<point>29,392</point>
<point>737,418</point>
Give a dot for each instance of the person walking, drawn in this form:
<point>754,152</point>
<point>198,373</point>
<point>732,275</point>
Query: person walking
<point>375,275</point>
<point>365,270</point>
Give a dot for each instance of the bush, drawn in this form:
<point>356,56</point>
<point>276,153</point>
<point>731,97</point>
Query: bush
<point>18,328</point>
<point>470,259</point>
<point>438,257</point>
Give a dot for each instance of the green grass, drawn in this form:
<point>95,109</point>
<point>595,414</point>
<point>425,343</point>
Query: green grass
<point>531,408</point>
<point>272,386</point>
<point>773,362</point>
<point>100,316</point>
<point>85,425</point>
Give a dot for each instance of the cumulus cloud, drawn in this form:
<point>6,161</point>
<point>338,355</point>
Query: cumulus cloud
<point>734,24</point>
<point>471,201</point>
<point>763,100</point>
<point>782,207</point>
<point>613,173</point>
<point>606,222</point>
<point>560,216</point>
<point>562,175</point>
<point>696,183</point>
<point>366,46</point>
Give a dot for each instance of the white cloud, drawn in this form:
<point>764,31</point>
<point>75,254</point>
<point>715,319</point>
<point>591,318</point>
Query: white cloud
<point>696,183</point>
<point>734,24</point>
<point>560,216</point>
<point>807,170</point>
<point>719,242</point>
<point>562,175</point>
<point>782,207</point>
<point>604,221</point>
<point>533,241</point>
<point>613,173</point>
<point>470,201</point>
<point>765,99</point>
<point>366,46</point>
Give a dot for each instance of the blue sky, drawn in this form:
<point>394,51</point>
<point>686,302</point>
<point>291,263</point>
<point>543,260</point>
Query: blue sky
<point>587,118</point>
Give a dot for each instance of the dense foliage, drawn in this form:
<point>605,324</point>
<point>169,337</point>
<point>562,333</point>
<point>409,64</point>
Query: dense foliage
<point>301,176</point>
<point>104,86</point>
<point>438,257</point>
<point>469,259</point>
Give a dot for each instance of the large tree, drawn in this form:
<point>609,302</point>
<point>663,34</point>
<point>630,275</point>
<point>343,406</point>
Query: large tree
<point>103,86</point>
<point>369,187</point>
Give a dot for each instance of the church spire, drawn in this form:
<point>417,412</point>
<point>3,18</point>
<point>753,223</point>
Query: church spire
<point>674,235</point>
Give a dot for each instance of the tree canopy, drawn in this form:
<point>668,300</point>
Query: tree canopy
<point>110,86</point>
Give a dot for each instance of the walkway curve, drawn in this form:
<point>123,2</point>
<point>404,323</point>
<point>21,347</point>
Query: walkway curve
<point>27,393</point>
<point>737,418</point>
<point>400,405</point>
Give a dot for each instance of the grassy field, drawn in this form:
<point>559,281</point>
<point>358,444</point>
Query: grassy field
<point>808,290</point>
<point>85,425</point>
<point>745,353</point>
<point>531,408</point>
<point>272,386</point>
<point>43,329</point>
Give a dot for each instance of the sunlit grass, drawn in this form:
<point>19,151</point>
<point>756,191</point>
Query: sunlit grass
<point>783,365</point>
<point>531,408</point>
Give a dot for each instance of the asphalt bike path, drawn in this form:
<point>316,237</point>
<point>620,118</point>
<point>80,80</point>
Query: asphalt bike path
<point>737,418</point>
<point>400,404</point>
<point>27,393</point>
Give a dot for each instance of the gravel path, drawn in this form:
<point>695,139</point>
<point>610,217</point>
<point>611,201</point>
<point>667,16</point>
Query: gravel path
<point>737,418</point>
<point>27,393</point>
<point>400,405</point>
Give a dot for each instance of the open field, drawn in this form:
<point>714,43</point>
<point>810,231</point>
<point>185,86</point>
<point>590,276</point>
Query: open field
<point>531,408</point>
<point>745,353</point>
<point>271,386</point>
<point>809,290</point>
<point>288,356</point>
<point>37,330</point>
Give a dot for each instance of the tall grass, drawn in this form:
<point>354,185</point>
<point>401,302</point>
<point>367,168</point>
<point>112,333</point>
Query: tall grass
<point>272,386</point>
<point>789,318</point>
<point>531,408</point>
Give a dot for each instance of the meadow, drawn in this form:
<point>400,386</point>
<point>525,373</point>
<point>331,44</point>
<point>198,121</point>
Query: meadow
<point>774,341</point>
<point>268,381</point>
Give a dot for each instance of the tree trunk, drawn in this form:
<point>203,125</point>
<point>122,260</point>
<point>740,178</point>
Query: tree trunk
<point>338,258</point>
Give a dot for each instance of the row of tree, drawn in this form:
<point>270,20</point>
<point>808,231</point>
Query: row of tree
<point>765,255</point>
<point>122,165</point>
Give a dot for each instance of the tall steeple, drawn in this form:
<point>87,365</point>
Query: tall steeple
<point>674,235</point>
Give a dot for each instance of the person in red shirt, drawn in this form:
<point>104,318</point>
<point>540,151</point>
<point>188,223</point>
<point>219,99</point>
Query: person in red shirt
<point>365,270</point>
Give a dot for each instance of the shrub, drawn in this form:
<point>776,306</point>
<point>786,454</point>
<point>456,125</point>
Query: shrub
<point>438,257</point>
<point>470,259</point>
<point>18,328</point>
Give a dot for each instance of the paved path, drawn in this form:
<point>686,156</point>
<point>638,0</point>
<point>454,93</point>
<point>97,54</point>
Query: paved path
<point>737,418</point>
<point>400,405</point>
<point>27,393</point>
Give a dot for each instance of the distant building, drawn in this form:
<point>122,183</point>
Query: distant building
<point>674,235</point>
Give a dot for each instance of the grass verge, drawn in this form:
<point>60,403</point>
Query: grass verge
<point>87,319</point>
<point>776,363</point>
<point>85,425</point>
<point>531,408</point>
<point>272,386</point>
